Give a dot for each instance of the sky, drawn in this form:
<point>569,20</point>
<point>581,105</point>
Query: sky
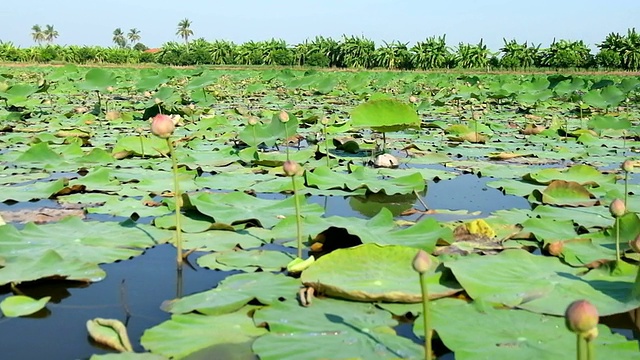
<point>83,22</point>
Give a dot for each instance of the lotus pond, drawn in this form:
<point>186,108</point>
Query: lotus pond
<point>505,180</point>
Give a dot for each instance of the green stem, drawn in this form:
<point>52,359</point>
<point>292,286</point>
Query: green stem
<point>590,350</point>
<point>626,188</point>
<point>255,140</point>
<point>178,200</point>
<point>580,347</point>
<point>141,146</point>
<point>298,218</point>
<point>425,317</point>
<point>617,241</point>
<point>326,142</point>
<point>286,140</point>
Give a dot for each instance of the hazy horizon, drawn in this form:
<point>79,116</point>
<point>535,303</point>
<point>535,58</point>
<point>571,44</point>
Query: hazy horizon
<point>294,21</point>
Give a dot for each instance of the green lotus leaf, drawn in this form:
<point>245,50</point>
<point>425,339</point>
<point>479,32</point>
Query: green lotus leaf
<point>513,334</point>
<point>590,217</point>
<point>372,272</point>
<point>582,174</point>
<point>149,146</point>
<point>76,240</point>
<point>583,251</point>
<point>330,328</point>
<point>33,191</point>
<point>246,260</point>
<point>514,187</point>
<point>20,305</point>
<point>221,240</point>
<point>238,207</point>
<point>97,79</point>
<point>227,336</point>
<point>48,264</point>
<point>99,179</point>
<point>128,356</point>
<point>517,278</point>
<point>39,153</point>
<point>128,206</point>
<point>385,115</point>
<point>550,230</point>
<point>325,178</point>
<point>269,133</point>
<point>565,193</point>
<point>235,291</point>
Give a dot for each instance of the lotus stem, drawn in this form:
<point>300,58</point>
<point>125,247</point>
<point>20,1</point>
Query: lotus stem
<point>298,217</point>
<point>178,200</point>
<point>326,142</point>
<point>617,241</point>
<point>425,316</point>
<point>590,350</point>
<point>580,342</point>
<point>626,187</point>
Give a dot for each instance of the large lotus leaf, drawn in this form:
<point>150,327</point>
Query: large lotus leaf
<point>227,336</point>
<point>33,191</point>
<point>235,291</point>
<point>246,260</point>
<point>385,115</point>
<point>160,181</point>
<point>565,193</point>
<point>221,240</point>
<point>591,217</point>
<point>39,153</point>
<point>48,264</point>
<point>609,122</point>
<point>381,229</point>
<point>269,133</point>
<point>238,207</point>
<point>207,159</point>
<point>583,251</point>
<point>99,179</point>
<point>513,334</point>
<point>583,174</point>
<point>76,240</point>
<point>517,278</point>
<point>98,80</point>
<point>128,356</point>
<point>20,305</point>
<point>325,178</point>
<point>550,230</point>
<point>514,187</point>
<point>142,145</point>
<point>372,272</point>
<point>329,329</point>
<point>128,206</point>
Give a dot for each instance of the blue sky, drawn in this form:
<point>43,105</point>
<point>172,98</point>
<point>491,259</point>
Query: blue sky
<point>92,22</point>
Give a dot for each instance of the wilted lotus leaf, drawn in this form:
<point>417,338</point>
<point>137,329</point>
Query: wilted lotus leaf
<point>372,272</point>
<point>565,193</point>
<point>109,332</point>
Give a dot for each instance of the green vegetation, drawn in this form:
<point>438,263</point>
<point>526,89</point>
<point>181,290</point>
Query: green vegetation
<point>498,282</point>
<point>615,52</point>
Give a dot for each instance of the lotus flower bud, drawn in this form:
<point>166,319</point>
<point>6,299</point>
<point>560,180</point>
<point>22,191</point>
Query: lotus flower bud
<point>617,208</point>
<point>162,126</point>
<point>291,168</point>
<point>582,317</point>
<point>627,166</point>
<point>635,244</point>
<point>324,121</point>
<point>413,99</point>
<point>110,88</point>
<point>283,116</point>
<point>555,248</point>
<point>421,262</point>
<point>253,121</point>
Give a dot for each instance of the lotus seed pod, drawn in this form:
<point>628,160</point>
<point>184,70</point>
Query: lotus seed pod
<point>627,166</point>
<point>283,116</point>
<point>635,244</point>
<point>162,126</point>
<point>413,99</point>
<point>253,121</point>
<point>421,262</point>
<point>555,248</point>
<point>581,317</point>
<point>291,168</point>
<point>617,208</point>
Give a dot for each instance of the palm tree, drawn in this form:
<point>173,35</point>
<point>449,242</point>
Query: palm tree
<point>37,34</point>
<point>119,38</point>
<point>184,30</point>
<point>134,35</point>
<point>50,33</point>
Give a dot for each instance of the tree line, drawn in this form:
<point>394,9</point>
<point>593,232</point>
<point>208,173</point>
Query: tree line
<point>615,52</point>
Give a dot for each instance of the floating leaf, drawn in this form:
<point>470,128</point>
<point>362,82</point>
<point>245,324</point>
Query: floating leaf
<point>565,193</point>
<point>109,332</point>
<point>20,305</point>
<point>385,115</point>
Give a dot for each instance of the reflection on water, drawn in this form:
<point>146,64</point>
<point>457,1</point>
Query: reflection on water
<point>149,280</point>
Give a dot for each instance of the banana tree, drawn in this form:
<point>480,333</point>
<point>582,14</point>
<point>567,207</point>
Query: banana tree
<point>433,53</point>
<point>393,55</point>
<point>471,56</point>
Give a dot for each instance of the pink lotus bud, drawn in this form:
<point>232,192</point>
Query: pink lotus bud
<point>162,126</point>
<point>413,99</point>
<point>291,168</point>
<point>627,166</point>
<point>617,208</point>
<point>581,317</point>
<point>253,121</point>
<point>421,262</point>
<point>283,116</point>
